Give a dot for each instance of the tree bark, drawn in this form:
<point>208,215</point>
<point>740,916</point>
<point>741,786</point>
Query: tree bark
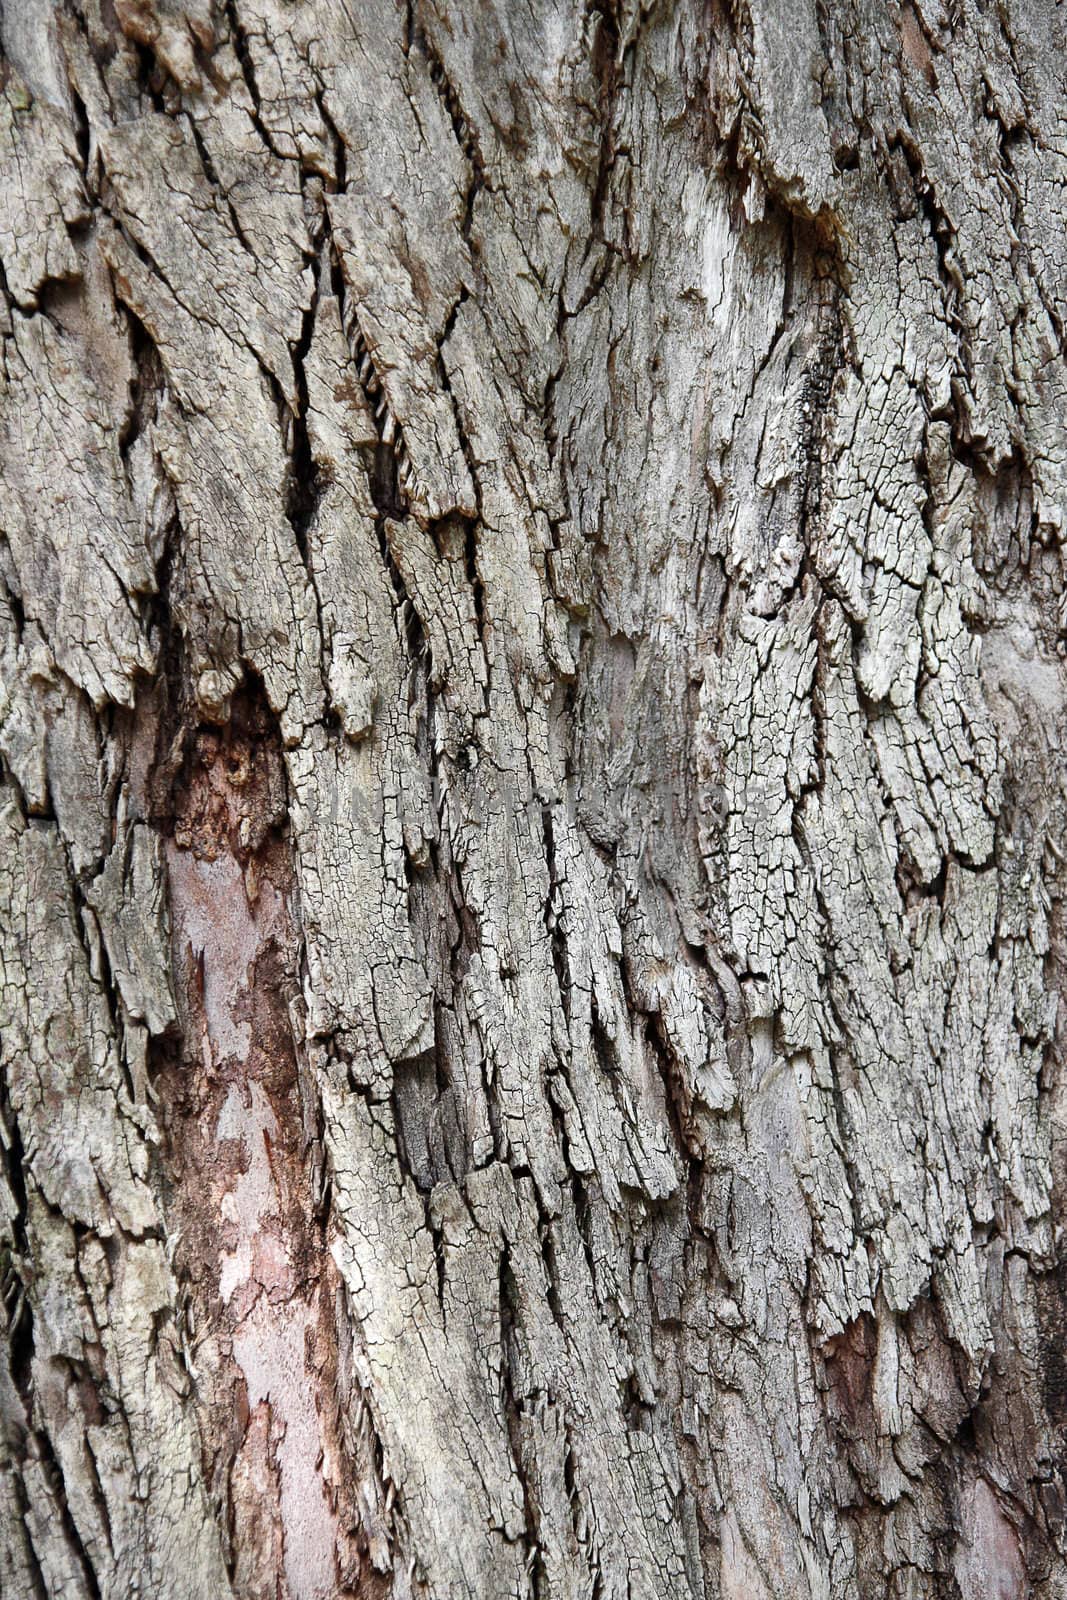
<point>533,823</point>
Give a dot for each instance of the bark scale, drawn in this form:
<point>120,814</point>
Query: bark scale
<point>532,865</point>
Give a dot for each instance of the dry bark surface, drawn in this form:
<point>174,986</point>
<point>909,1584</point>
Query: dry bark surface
<point>533,815</point>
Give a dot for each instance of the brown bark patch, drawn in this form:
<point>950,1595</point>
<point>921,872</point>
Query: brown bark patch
<point>252,1250</point>
<point>850,1369</point>
<point>916,49</point>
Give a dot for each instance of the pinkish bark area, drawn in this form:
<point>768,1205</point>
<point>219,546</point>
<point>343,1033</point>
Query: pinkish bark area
<point>252,1249</point>
<point>989,1564</point>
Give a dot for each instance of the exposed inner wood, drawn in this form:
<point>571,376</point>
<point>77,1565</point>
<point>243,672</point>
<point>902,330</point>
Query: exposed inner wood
<point>251,1251</point>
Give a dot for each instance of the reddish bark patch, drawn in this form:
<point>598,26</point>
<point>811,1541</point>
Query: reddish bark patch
<point>916,49</point>
<point>252,1251</point>
<point>850,1369</point>
<point>988,1564</point>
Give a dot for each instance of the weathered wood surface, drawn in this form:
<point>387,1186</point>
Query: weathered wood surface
<point>533,826</point>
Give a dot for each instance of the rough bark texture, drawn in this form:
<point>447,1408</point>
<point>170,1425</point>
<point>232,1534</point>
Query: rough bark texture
<point>532,872</point>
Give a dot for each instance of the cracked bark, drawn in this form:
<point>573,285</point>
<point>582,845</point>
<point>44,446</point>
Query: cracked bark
<point>533,866</point>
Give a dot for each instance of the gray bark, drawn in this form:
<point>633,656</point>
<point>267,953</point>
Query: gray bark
<point>533,807</point>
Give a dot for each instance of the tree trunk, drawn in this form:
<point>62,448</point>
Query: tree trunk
<point>533,833</point>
